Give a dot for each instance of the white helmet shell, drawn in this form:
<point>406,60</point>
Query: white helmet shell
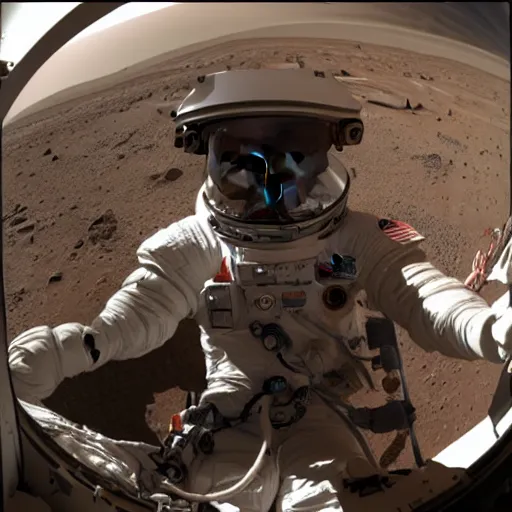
<point>288,120</point>
<point>267,92</point>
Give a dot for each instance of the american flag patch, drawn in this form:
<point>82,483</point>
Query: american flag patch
<point>400,231</point>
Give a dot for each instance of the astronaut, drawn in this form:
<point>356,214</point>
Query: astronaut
<point>271,265</point>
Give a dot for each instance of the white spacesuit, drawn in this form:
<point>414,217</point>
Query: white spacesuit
<point>271,265</point>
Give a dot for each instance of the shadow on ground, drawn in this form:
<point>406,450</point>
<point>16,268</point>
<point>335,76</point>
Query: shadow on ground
<point>113,399</point>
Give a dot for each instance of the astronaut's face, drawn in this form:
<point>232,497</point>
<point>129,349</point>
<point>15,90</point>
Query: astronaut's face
<point>268,167</point>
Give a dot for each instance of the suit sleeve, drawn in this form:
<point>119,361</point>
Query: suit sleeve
<point>439,312</point>
<point>145,312</point>
<point>138,318</point>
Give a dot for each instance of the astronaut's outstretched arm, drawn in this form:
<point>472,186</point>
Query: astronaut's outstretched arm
<point>140,317</point>
<point>439,312</point>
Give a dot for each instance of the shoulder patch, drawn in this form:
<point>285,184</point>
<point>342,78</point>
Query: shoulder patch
<point>399,231</point>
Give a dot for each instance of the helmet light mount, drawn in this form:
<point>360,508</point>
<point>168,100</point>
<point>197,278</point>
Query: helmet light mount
<point>239,94</point>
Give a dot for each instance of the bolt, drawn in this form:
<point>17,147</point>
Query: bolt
<point>266,302</point>
<point>270,342</point>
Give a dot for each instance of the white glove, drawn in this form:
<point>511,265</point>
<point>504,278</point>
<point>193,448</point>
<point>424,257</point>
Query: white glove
<point>41,358</point>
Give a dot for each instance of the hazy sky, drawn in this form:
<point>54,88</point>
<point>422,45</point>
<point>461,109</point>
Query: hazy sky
<point>417,26</point>
<point>23,23</point>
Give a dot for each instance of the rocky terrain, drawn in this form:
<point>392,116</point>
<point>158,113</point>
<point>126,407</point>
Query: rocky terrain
<point>87,181</point>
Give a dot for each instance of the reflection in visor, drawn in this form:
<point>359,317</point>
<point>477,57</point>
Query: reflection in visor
<point>280,177</point>
<point>278,180</point>
<point>273,188</point>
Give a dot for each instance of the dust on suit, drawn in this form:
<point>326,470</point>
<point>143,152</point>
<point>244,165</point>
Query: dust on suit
<point>178,266</point>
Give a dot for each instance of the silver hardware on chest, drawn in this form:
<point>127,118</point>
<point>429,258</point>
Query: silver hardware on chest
<point>218,303</point>
<point>297,272</point>
<point>266,302</point>
<point>270,342</point>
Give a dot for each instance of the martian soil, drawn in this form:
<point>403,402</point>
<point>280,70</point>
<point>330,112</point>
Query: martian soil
<point>87,181</point>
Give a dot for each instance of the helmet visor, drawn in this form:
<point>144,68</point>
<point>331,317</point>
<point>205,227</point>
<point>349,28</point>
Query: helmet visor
<point>273,170</point>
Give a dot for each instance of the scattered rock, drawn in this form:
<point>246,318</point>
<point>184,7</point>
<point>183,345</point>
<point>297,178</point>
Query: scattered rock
<point>166,87</point>
<point>120,156</point>
<point>407,74</point>
<point>101,280</point>
<point>125,140</point>
<point>354,173</point>
<point>55,277</point>
<point>74,207</point>
<point>438,119</point>
<point>16,297</point>
<point>54,158</point>
<point>159,110</point>
<point>430,161</point>
<point>300,62</point>
<point>423,76</point>
<point>345,73</point>
<point>47,152</point>
<point>154,177</point>
<point>448,140</point>
<point>79,244</point>
<point>26,228</point>
<point>392,101</point>
<point>15,212</point>
<point>28,240</point>
<point>19,219</point>
<point>173,174</point>
<point>450,112</point>
<point>103,228</point>
<point>73,256</point>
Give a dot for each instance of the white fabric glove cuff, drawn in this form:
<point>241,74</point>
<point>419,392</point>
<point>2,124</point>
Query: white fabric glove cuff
<point>73,354</point>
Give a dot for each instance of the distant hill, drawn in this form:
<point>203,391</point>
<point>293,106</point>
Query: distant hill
<point>186,28</point>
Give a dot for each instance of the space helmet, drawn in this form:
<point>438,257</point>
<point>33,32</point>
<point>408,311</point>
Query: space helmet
<point>270,138</point>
